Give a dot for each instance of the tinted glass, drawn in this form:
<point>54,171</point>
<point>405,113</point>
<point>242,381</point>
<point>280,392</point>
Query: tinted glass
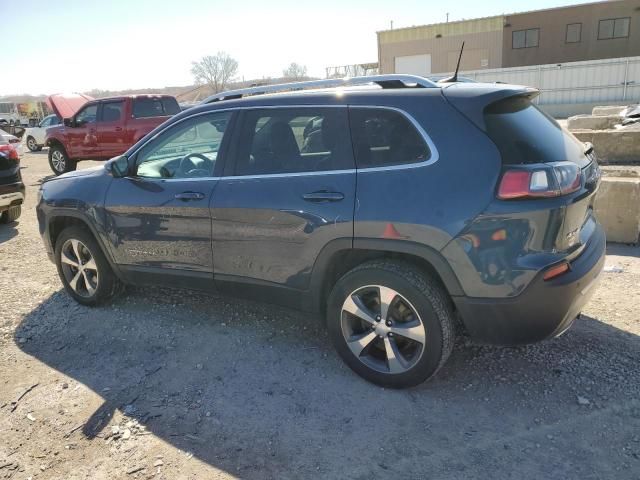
<point>46,122</point>
<point>531,39</point>
<point>574,31</point>
<point>186,150</point>
<point>87,115</point>
<point>293,140</point>
<point>112,111</point>
<point>170,106</point>
<point>384,137</point>
<point>148,107</point>
<point>524,134</point>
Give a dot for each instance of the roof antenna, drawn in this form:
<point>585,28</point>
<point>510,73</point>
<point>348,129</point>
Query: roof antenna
<point>453,78</point>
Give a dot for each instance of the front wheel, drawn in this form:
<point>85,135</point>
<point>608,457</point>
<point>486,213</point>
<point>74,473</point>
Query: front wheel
<point>83,268</point>
<point>59,161</point>
<point>391,323</point>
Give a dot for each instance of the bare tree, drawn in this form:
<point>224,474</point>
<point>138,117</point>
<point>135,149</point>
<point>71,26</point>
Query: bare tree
<point>295,71</point>
<point>215,70</point>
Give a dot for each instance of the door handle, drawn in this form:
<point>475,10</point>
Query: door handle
<point>323,196</point>
<point>118,129</point>
<point>186,196</point>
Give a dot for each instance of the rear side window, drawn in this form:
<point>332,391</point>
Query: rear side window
<point>524,134</point>
<point>294,140</point>
<point>383,138</point>
<point>112,111</point>
<point>144,107</point>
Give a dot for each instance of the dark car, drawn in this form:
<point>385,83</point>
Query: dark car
<point>11,186</point>
<point>416,205</point>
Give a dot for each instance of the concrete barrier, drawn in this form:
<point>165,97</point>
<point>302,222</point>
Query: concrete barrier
<point>592,122</point>
<point>613,146</point>
<point>607,110</point>
<point>617,205</point>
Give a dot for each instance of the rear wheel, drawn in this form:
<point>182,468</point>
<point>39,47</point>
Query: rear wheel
<point>32,145</point>
<point>391,323</point>
<point>59,161</point>
<point>83,268</point>
<point>11,215</point>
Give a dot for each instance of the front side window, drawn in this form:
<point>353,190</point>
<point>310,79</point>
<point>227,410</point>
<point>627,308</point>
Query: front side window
<point>294,140</point>
<point>188,149</point>
<point>87,115</point>
<point>46,122</point>
<point>525,38</point>
<point>383,137</point>
<point>574,32</point>
<point>112,111</point>
<point>613,28</point>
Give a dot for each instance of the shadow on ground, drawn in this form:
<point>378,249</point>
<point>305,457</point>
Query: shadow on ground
<point>257,391</point>
<point>8,231</point>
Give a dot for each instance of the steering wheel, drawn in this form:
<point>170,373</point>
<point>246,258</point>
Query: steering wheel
<point>189,168</point>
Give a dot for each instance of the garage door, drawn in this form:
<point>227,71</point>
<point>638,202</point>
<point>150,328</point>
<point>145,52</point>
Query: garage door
<point>414,64</point>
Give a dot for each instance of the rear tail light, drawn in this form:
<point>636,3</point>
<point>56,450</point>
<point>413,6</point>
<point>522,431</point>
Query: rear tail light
<point>556,271</point>
<point>9,151</point>
<point>548,180</point>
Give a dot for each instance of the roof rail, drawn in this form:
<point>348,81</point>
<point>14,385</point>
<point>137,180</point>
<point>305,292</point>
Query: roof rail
<point>385,81</point>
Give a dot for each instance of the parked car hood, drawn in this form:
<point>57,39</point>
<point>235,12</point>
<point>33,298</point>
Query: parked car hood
<point>85,172</point>
<point>65,105</point>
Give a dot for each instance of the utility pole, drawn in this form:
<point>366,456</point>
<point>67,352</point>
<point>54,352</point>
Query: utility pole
<point>447,17</point>
<point>391,25</point>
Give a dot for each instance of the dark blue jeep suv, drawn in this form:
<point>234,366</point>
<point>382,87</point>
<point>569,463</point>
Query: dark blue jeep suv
<point>390,205</point>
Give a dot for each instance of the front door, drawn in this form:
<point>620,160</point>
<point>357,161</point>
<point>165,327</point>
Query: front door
<point>83,137</point>
<point>158,220</point>
<point>289,192</point>
<point>110,129</point>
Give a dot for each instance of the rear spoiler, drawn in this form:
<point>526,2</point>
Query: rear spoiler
<point>471,99</point>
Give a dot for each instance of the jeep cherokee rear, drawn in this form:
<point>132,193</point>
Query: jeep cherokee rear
<point>390,211</point>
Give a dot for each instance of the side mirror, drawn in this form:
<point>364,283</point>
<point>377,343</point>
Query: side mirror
<point>68,122</point>
<point>118,166</point>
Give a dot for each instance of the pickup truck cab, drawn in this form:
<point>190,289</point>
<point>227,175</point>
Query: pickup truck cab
<point>104,128</point>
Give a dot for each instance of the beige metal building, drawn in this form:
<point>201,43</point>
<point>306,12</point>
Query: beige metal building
<point>609,29</point>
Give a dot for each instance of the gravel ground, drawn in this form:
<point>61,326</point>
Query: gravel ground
<point>178,385</point>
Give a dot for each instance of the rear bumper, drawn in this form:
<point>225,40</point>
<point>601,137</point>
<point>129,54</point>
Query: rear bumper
<point>543,309</point>
<point>11,195</point>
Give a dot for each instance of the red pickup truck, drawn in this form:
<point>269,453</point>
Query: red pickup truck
<point>102,129</point>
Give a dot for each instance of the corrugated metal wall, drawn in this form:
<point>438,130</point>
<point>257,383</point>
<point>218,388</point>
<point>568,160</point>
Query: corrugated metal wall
<point>574,87</point>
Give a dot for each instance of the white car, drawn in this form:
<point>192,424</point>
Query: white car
<point>34,137</point>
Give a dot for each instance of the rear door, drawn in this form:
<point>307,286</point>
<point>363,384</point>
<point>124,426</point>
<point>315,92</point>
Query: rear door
<point>288,192</point>
<point>159,219</point>
<point>111,136</point>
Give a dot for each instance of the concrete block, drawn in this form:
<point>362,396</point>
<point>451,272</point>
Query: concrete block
<point>607,110</point>
<point>592,122</point>
<point>613,146</point>
<point>617,208</point>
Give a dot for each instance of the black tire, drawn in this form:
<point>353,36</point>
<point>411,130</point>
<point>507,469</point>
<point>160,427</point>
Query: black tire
<point>107,283</point>
<point>11,215</point>
<point>59,161</point>
<point>32,145</point>
<point>431,303</point>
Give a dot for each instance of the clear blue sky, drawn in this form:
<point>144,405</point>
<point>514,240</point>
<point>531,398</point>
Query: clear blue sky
<point>76,45</point>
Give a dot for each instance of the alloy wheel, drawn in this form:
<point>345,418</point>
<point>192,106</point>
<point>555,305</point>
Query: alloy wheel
<point>31,143</point>
<point>79,268</point>
<point>382,329</point>
<point>58,161</point>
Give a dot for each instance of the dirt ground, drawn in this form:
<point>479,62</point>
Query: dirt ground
<point>178,385</point>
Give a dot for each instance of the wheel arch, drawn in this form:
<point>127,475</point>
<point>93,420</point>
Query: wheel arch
<point>340,256</point>
<point>61,220</point>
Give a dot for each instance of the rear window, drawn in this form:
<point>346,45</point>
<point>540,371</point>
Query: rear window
<point>155,107</point>
<point>525,134</point>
